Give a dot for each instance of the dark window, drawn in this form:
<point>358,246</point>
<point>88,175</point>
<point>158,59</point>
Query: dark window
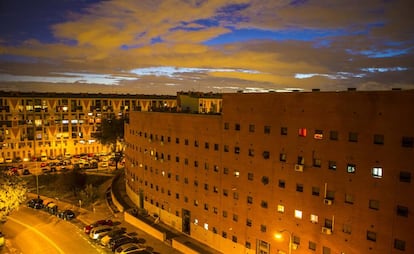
<point>333,135</point>
<point>225,193</point>
<point>248,222</point>
<point>195,143</point>
<point>407,142</point>
<point>349,198</point>
<point>265,180</point>
<point>237,126</point>
<point>186,142</point>
<point>226,126</point>
<point>249,200</point>
<point>312,246</point>
<point>299,187</point>
<point>267,130</point>
<point>266,155</point>
<point>236,150</point>
<point>317,163</point>
<point>374,204</point>
<point>378,139</point>
<point>371,236</point>
<point>353,137</point>
<point>405,177</point>
<point>284,131</point>
<point>263,204</point>
<point>235,217</point>
<point>315,191</point>
<point>248,245</point>
<point>177,140</point>
<point>251,152</point>
<point>332,165</point>
<point>226,148</point>
<point>206,145</point>
<point>216,147</point>
<point>263,228</point>
<point>250,176</point>
<point>399,244</point>
<point>282,183</point>
<point>282,157</point>
<point>251,127</point>
<point>402,211</point>
<point>234,238</point>
<point>225,171</point>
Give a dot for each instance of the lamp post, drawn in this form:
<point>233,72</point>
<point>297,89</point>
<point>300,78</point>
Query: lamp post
<point>278,235</point>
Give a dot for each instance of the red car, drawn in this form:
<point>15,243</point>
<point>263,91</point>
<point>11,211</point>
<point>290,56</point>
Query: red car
<point>88,228</point>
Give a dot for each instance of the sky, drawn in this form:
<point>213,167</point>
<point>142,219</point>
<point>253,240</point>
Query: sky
<point>165,46</point>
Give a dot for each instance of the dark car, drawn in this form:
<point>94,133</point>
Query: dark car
<point>121,241</point>
<point>88,228</point>
<point>66,215</point>
<point>26,172</point>
<point>35,203</point>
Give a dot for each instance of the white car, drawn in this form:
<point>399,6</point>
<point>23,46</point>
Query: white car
<point>129,248</point>
<point>99,232</point>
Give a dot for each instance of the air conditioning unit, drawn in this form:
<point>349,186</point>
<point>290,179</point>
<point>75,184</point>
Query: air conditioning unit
<point>299,168</point>
<point>327,201</point>
<point>326,231</point>
<point>295,246</point>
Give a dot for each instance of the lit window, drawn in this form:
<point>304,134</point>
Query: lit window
<point>298,214</point>
<point>302,132</point>
<point>205,226</point>
<point>351,168</point>
<point>195,221</point>
<point>318,134</point>
<point>281,208</point>
<point>314,218</point>
<point>377,172</point>
<point>236,173</point>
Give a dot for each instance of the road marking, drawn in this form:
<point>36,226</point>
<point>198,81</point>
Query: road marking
<point>39,233</point>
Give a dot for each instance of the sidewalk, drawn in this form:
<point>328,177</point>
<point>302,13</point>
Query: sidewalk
<point>119,192</point>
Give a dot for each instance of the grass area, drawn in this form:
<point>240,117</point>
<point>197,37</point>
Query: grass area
<point>70,186</point>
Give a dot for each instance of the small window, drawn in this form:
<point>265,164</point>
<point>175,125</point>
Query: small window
<point>346,228</point>
<point>224,234</point>
<point>333,135</point>
<point>250,176</point>
<point>225,214</point>
<point>226,148</point>
<point>299,187</point>
<point>235,217</point>
<point>314,218</point>
<point>251,152</point>
<point>216,147</point>
<point>206,207</point>
<point>402,211</point>
<point>237,150</point>
<point>249,200</point>
<point>317,163</point>
<point>332,165</point>
<point>349,198</point>
<point>235,195</point>
<point>407,142</point>
<point>399,244</point>
<point>251,128</point>
<point>249,222</point>
<point>186,142</point>
<point>405,177</point>
<point>265,180</point>
<point>318,134</point>
<point>282,183</point>
<point>266,130</point>
<point>376,172</point>
<point>206,145</point>
<point>351,168</point>
<point>326,250</point>
<point>237,126</point>
<point>226,126</point>
<point>283,131</point>
<point>225,171</point>
<point>315,191</point>
<point>263,204</point>
<point>266,155</point>
<point>298,214</point>
<point>378,139</point>
<point>225,193</point>
<point>280,208</point>
<point>282,157</point>
<point>312,246</point>
<point>195,143</point>
<point>248,245</point>
<point>374,204</point>
<point>353,137</point>
<point>236,173</point>
<point>177,140</point>
<point>263,228</point>
<point>371,236</point>
<point>302,132</point>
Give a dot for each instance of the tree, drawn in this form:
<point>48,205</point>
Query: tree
<point>12,193</point>
<point>112,132</point>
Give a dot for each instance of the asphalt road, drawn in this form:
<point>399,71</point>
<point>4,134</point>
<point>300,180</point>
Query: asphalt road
<point>32,231</point>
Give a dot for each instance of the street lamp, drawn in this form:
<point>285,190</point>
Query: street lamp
<point>279,236</point>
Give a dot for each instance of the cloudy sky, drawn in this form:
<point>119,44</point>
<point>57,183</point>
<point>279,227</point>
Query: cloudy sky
<point>165,46</point>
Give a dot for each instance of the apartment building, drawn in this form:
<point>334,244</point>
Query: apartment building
<point>52,124</point>
<point>313,172</point>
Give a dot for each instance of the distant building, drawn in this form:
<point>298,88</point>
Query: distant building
<point>52,124</point>
<point>333,170</point>
<point>197,102</point>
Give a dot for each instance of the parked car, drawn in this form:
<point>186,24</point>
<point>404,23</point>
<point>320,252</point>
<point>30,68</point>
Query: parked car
<point>35,203</point>
<point>129,248</point>
<point>1,239</point>
<point>116,243</point>
<point>99,232</point>
<point>66,215</point>
<point>26,171</point>
<point>114,233</point>
<point>87,229</point>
